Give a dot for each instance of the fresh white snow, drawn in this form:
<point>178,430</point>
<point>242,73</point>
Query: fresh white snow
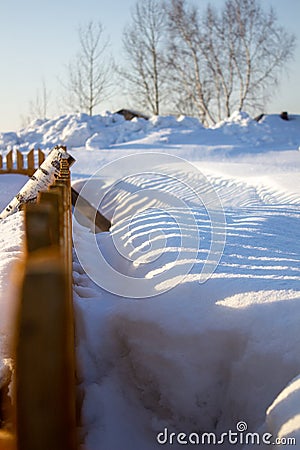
<point>196,357</point>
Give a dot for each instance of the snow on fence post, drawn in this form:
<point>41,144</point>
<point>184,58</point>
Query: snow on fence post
<point>41,179</point>
<point>45,355</point>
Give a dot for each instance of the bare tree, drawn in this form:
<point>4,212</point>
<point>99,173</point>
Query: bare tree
<point>234,57</point>
<point>190,78</point>
<point>143,42</point>
<point>38,107</point>
<point>257,50</point>
<point>90,73</point>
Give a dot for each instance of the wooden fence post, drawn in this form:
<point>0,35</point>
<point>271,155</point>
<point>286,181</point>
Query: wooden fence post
<point>45,350</point>
<point>7,440</point>
<point>20,160</point>
<point>30,161</point>
<point>45,412</point>
<point>7,164</point>
<point>41,226</point>
<point>9,160</point>
<point>45,380</point>
<point>41,156</point>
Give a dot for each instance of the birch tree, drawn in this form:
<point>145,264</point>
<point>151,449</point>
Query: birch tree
<point>227,60</point>
<point>90,73</point>
<point>190,78</point>
<point>143,45</point>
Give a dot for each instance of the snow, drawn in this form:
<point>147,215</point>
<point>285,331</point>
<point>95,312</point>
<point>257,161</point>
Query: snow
<point>192,356</point>
<point>283,415</point>
<point>11,236</point>
<point>112,131</point>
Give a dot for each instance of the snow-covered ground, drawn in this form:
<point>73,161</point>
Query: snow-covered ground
<point>159,349</point>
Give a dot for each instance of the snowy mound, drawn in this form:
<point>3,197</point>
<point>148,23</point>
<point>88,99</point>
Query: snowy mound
<point>112,130</point>
<point>283,415</point>
<point>81,130</point>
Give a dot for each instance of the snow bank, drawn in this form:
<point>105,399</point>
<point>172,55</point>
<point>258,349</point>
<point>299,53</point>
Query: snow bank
<point>11,236</point>
<point>81,130</point>
<point>111,130</point>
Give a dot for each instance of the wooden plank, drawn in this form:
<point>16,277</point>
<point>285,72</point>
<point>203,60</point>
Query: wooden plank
<point>30,162</point>
<point>100,222</point>
<point>6,407</point>
<point>58,190</point>
<point>1,161</point>
<point>9,161</point>
<point>45,367</point>
<point>7,440</point>
<point>41,156</point>
<point>40,226</point>
<point>53,199</point>
<point>20,161</point>
<point>45,355</point>
<point>66,223</point>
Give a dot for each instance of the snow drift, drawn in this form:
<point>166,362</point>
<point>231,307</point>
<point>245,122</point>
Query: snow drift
<point>111,130</point>
<point>196,357</point>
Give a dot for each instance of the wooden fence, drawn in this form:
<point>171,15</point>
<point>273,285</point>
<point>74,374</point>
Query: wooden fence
<point>43,415</point>
<point>17,162</point>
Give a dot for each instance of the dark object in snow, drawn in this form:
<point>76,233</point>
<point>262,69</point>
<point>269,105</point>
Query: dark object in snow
<point>258,118</point>
<point>129,114</point>
<point>84,207</point>
<point>284,115</point>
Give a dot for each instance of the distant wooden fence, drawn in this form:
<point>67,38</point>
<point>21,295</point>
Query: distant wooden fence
<point>44,411</point>
<point>17,162</point>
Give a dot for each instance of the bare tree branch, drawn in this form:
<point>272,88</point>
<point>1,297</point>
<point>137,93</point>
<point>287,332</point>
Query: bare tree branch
<point>143,43</point>
<point>90,73</point>
<point>226,60</point>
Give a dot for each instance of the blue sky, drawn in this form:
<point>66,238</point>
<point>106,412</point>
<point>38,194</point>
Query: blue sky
<point>38,39</point>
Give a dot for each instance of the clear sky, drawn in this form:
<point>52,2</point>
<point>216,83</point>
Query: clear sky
<point>38,38</point>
